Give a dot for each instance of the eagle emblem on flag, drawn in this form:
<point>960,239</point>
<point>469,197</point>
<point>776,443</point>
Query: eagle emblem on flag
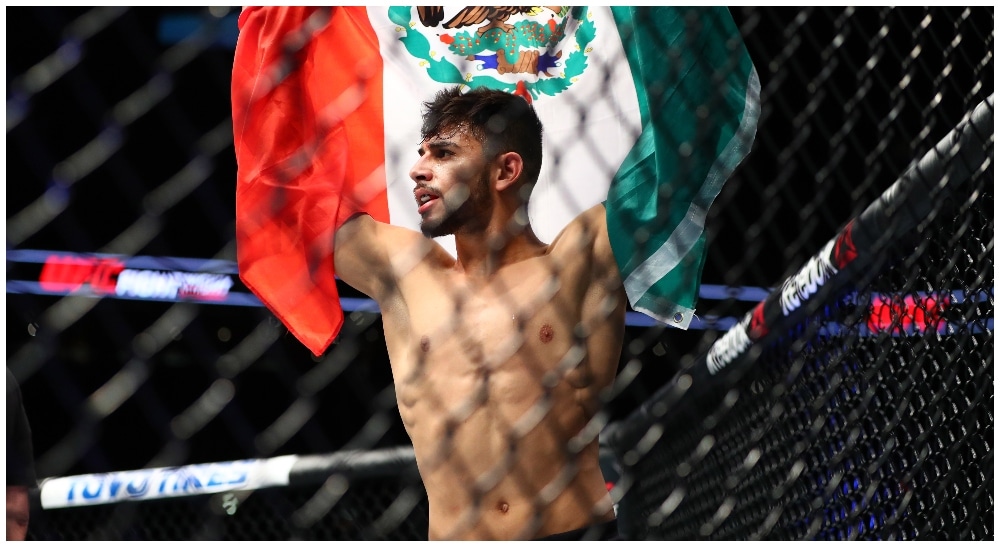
<point>528,50</point>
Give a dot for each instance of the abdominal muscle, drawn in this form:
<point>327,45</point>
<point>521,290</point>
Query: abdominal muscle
<point>497,457</point>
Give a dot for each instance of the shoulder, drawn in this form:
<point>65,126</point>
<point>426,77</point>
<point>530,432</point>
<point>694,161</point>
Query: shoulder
<point>375,248</point>
<point>586,239</point>
<point>370,235</point>
<point>584,232</point>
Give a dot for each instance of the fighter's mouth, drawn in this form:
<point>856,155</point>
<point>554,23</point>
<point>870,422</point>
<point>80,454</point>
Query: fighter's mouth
<point>425,197</point>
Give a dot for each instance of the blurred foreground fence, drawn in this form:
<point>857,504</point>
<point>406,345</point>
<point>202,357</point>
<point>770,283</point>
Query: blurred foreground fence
<point>837,382</point>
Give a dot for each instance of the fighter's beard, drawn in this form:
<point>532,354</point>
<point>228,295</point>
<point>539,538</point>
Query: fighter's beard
<point>471,215</point>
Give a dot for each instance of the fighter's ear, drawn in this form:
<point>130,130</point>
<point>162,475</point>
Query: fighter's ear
<point>510,166</point>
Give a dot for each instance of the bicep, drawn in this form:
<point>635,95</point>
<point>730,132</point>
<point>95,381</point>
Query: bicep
<point>587,236</point>
<point>605,299</point>
<point>596,229</point>
<point>360,257</point>
<point>373,256</point>
<point>605,302</point>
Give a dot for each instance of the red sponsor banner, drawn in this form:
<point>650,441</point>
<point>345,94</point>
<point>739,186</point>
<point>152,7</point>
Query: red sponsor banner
<point>70,274</point>
<point>62,274</point>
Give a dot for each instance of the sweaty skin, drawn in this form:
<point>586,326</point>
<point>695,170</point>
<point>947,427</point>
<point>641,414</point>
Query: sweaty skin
<point>17,513</point>
<point>499,355</point>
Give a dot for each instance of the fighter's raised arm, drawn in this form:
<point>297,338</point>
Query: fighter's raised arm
<point>360,255</point>
<point>369,255</point>
<point>588,234</point>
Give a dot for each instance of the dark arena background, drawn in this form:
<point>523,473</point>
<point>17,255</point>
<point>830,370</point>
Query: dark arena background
<point>837,382</point>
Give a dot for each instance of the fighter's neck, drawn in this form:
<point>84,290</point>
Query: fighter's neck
<point>483,254</point>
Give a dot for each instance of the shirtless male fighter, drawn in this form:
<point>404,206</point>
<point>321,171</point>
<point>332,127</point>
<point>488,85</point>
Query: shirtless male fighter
<point>499,355</point>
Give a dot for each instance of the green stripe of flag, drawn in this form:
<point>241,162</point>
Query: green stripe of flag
<point>699,98</point>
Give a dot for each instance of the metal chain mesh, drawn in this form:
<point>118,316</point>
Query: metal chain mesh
<point>871,420</point>
<point>120,149</point>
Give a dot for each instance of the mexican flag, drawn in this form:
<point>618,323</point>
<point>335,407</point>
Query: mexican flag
<point>647,109</point>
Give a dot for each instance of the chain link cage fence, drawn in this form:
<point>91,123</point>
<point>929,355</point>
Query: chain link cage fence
<point>837,382</point>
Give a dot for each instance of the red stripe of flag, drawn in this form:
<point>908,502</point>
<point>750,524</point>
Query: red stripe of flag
<point>308,131</point>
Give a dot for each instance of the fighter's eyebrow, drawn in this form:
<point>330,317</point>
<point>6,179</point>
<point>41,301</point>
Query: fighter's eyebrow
<point>437,145</point>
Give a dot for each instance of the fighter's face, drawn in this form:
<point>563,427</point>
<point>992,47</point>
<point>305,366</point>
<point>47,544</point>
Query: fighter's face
<point>452,184</point>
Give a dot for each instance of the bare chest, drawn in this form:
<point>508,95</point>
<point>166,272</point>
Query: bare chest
<point>486,324</point>
<point>452,337</point>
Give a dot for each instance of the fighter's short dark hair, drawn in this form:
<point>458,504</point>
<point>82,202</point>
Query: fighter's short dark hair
<point>501,121</point>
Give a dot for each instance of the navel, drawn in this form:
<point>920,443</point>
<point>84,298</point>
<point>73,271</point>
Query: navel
<point>503,507</point>
<point>546,333</point>
<point>425,344</point>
